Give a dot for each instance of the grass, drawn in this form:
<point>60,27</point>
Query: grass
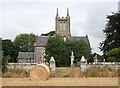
<point>66,72</point>
<point>15,73</point>
<point>105,71</point>
<point>93,71</point>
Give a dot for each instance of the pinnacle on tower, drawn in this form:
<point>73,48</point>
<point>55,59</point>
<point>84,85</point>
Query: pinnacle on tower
<point>67,12</point>
<point>57,12</point>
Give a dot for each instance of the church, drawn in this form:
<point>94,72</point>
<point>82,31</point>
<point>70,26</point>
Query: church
<point>62,28</point>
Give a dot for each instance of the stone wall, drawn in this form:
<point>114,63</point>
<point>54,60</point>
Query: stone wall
<point>39,54</point>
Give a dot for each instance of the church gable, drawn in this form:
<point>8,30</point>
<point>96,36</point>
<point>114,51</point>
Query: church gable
<point>41,41</point>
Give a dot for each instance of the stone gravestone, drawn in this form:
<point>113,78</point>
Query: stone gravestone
<point>52,64</point>
<point>103,61</point>
<point>72,59</point>
<point>83,63</point>
<point>95,59</point>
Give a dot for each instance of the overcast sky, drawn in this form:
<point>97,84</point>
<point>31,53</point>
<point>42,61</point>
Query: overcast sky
<point>28,16</point>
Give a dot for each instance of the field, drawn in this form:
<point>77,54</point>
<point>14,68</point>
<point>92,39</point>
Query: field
<point>61,82</point>
<point>64,76</point>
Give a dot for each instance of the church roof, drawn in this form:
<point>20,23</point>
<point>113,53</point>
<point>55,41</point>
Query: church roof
<point>25,55</point>
<point>41,41</point>
<point>84,38</point>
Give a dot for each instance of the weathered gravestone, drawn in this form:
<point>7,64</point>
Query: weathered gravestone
<point>72,59</point>
<point>83,63</point>
<point>95,59</point>
<point>52,64</point>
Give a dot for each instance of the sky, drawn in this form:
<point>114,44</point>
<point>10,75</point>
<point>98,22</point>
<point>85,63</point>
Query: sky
<point>38,16</point>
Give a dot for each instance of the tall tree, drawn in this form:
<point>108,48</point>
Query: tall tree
<point>9,50</point>
<point>112,33</point>
<point>61,50</point>
<point>25,42</point>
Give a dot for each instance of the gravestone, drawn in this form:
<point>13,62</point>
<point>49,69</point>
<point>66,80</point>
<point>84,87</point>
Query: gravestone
<point>72,59</point>
<point>95,59</point>
<point>83,63</point>
<point>52,64</point>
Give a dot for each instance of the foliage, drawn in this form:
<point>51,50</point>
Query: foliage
<point>114,55</point>
<point>112,33</point>
<point>9,50</point>
<point>99,57</point>
<point>61,50</point>
<point>51,33</point>
<point>4,64</point>
<point>25,42</point>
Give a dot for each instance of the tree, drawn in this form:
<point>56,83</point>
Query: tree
<point>54,48</point>
<point>51,33</point>
<point>112,33</point>
<point>114,55</point>
<point>9,50</point>
<point>61,50</point>
<point>79,48</point>
<point>25,42</point>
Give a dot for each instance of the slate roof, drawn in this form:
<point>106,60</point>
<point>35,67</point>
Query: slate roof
<point>41,41</point>
<point>25,55</point>
<point>84,38</point>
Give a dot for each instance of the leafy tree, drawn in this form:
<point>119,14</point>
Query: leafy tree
<point>54,48</point>
<point>114,55</point>
<point>7,46</point>
<point>51,33</point>
<point>61,50</point>
<point>9,50</point>
<point>79,48</point>
<point>112,33</point>
<point>3,62</point>
<point>25,42</point>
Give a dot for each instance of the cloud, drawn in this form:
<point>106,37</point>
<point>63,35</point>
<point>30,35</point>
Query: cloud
<point>39,17</point>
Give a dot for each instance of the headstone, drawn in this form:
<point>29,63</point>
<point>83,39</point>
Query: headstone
<point>83,63</point>
<point>72,59</point>
<point>103,61</point>
<point>95,59</point>
<point>64,39</point>
<point>52,64</point>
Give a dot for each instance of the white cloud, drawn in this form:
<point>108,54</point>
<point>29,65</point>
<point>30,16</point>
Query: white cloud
<point>39,17</point>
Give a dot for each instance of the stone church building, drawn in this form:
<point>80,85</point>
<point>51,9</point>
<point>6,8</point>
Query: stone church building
<point>62,28</point>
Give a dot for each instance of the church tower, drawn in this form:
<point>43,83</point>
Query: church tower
<point>63,25</point>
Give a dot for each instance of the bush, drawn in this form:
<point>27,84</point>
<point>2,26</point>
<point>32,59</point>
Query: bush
<point>114,55</point>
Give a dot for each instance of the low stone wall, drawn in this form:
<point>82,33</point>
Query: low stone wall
<point>26,66</point>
